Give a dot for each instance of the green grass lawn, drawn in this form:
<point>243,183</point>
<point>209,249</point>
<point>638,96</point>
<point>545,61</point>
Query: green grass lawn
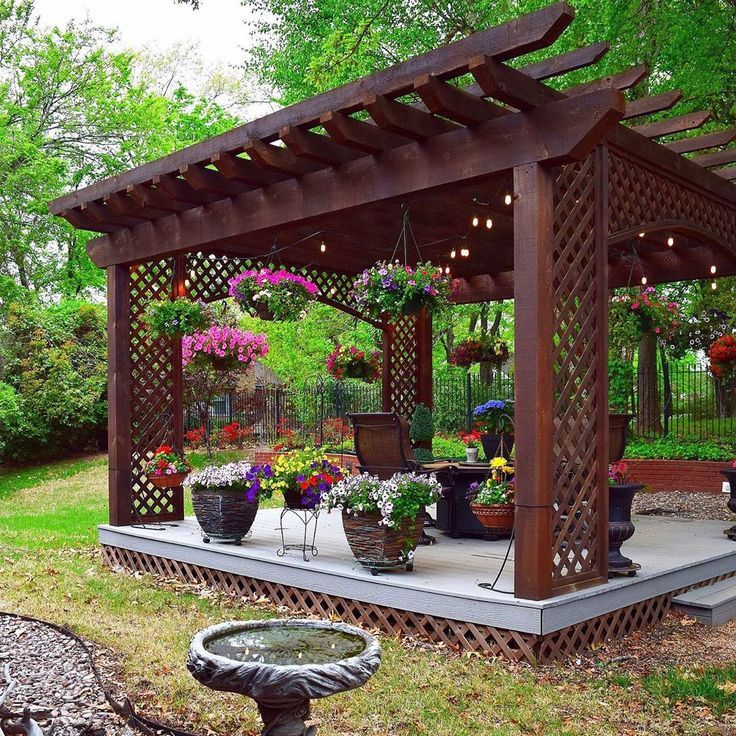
<point>50,568</point>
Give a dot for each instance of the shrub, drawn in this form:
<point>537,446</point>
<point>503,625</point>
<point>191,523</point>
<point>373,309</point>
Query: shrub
<point>421,428</point>
<point>11,415</point>
<point>676,448</point>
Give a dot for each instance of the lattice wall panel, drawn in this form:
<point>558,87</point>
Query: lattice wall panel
<point>403,377</point>
<point>578,318</point>
<point>152,391</point>
<point>456,635</point>
<point>639,195</point>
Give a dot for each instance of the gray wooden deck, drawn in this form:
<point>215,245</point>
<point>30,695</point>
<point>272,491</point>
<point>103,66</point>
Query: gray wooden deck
<point>673,553</point>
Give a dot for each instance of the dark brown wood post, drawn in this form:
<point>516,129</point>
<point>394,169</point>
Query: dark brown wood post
<point>424,359</point>
<point>533,326</point>
<point>177,409</point>
<point>118,395</point>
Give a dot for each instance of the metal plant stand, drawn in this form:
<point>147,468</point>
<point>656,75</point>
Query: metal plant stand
<point>308,518</point>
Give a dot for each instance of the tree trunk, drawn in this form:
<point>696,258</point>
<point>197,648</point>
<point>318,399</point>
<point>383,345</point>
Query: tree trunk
<point>649,421</point>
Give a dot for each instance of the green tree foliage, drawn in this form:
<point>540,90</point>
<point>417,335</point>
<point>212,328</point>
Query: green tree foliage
<point>54,373</point>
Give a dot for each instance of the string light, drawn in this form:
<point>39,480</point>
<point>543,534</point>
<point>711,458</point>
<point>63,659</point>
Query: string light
<point>453,253</point>
<point>643,280</point>
<point>641,235</point>
<point>507,199</point>
<point>192,274</point>
<point>713,268</point>
<point>475,221</point>
<point>447,270</point>
<point>464,252</point>
<point>670,241</point>
<point>322,246</point>
<point>489,223</point>
<point>713,285</point>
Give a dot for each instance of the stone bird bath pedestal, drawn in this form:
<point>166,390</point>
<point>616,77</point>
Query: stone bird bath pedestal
<point>283,664</point>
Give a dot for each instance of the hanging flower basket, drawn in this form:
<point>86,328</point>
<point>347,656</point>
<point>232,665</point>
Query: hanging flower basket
<point>483,349</point>
<point>348,361</point>
<point>397,290</point>
<point>225,499</point>
<point>172,319</point>
<point>279,295</point>
<point>167,468</point>
<point>383,520</point>
<point>223,348</point>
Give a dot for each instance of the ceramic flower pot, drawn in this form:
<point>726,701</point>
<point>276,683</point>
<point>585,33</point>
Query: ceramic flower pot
<point>375,545</point>
<point>497,518</point>
<point>224,515</point>
<point>471,454</point>
<point>167,481</point>
<point>620,526</point>
<point>497,445</point>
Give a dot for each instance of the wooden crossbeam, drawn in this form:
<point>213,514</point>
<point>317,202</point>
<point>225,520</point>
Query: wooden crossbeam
<point>121,204</point>
<point>650,105</point>
<point>729,173</point>
<point>702,142</point>
<point>716,159</point>
<point>567,62</point>
<point>509,85</point>
<point>79,220</point>
<point>455,103</point>
<point>674,125</point>
<point>280,160</point>
<point>240,169</point>
<point>554,133</point>
<point>148,197</point>
<point>105,216</point>
<point>522,35</point>
<point>181,191</point>
<point>201,178</point>
<point>358,134</point>
<point>319,148</point>
<point>623,80</point>
<point>405,120</point>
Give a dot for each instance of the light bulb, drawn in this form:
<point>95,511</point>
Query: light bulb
<point>453,253</point>
<point>192,274</point>
<point>670,241</point>
<point>643,280</point>
<point>186,283</point>
<point>322,246</point>
<point>464,252</point>
<point>507,199</point>
<point>641,235</point>
<point>447,270</point>
<point>475,220</point>
<point>713,269</point>
<point>489,223</point>
<point>713,286</point>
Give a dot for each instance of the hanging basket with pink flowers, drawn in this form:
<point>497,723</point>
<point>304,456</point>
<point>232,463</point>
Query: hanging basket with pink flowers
<point>348,361</point>
<point>273,295</point>
<point>224,348</point>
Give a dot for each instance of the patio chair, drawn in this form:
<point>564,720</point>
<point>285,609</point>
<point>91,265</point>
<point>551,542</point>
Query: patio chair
<point>383,448</point>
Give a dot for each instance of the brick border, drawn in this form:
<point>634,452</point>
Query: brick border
<point>678,475</point>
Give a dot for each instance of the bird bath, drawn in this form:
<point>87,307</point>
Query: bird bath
<point>283,664</point>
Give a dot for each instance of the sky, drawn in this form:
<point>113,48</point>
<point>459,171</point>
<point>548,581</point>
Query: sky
<point>218,26</point>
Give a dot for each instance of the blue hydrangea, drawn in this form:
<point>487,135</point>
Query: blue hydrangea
<point>492,404</point>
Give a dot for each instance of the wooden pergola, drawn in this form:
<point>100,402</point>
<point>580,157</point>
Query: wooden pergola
<point>596,202</point>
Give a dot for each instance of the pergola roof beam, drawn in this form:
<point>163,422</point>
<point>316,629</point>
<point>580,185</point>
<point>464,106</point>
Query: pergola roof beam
<point>702,142</point>
<point>200,177</point>
<point>180,191</point>
<point>121,204</point>
<point>358,134</point>
<point>650,105</point>
<point>567,62</point>
<point>278,159</point>
<point>522,35</point>
<point>79,220</point>
<point>153,198</point>
<point>315,147</point>
<point>623,80</point>
<point>718,158</point>
<point>455,103</point>
<point>554,133</point>
<point>406,120</point>
<point>105,216</point>
<point>729,173</point>
<point>240,169</point>
<point>674,125</point>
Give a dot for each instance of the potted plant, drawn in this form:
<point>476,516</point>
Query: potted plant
<point>303,476</point>
<point>730,473</point>
<point>225,499</point>
<point>223,348</point>
<point>167,468</point>
<point>495,419</point>
<point>280,295</point>
<point>172,319</point>
<point>383,520</point>
<point>471,440</point>
<point>348,361</point>
<point>492,500</point>
<point>397,290</point>
<point>621,493</point>
<point>483,349</point>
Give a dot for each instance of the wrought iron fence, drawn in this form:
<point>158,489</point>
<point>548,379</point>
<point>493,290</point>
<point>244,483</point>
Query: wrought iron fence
<point>691,405</point>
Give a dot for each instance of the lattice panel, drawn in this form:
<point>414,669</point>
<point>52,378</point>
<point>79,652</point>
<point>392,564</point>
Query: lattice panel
<point>152,391</point>
<point>639,195</point>
<point>577,319</point>
<point>403,378</point>
<point>456,635</point>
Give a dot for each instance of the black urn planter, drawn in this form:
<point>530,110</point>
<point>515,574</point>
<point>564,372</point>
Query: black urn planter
<point>224,515</point>
<point>620,526</point>
<point>492,445</point>
<point>618,433</point>
<point>730,474</point>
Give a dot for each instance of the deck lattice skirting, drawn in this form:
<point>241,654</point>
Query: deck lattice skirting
<point>456,635</point>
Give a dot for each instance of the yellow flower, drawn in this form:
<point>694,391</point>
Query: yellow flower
<point>508,469</point>
<point>498,462</point>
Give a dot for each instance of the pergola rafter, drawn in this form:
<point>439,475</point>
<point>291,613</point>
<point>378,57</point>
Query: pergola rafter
<point>594,203</point>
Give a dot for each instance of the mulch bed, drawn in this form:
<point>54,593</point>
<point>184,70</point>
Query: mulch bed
<point>683,504</point>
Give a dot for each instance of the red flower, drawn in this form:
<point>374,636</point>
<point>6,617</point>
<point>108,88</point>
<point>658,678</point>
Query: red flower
<point>163,450</point>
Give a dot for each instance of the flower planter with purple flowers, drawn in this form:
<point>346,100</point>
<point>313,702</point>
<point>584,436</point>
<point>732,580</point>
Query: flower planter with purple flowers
<point>273,295</point>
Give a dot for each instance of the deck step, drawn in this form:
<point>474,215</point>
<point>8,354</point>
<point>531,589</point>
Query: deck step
<point>712,605</point>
